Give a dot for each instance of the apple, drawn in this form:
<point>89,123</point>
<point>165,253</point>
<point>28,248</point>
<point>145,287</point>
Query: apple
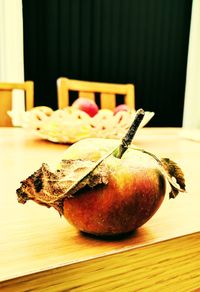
<point>86,105</point>
<point>104,186</point>
<point>121,107</point>
<point>135,190</point>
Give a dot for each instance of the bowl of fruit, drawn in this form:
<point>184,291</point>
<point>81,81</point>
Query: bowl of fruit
<point>83,119</point>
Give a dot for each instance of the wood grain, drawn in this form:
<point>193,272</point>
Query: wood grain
<point>158,267</point>
<point>40,251</point>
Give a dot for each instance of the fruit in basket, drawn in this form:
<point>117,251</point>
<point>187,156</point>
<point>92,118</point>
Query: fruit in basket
<point>121,107</point>
<point>87,105</point>
<point>105,187</point>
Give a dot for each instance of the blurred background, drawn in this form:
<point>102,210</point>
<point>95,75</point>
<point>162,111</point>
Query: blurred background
<point>144,42</point>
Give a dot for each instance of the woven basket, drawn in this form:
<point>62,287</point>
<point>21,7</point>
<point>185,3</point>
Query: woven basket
<point>70,125</point>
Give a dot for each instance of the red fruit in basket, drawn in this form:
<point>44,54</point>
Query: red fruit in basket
<point>121,107</point>
<point>86,105</point>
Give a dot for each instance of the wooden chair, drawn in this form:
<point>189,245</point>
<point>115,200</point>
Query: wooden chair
<point>6,90</point>
<point>88,89</point>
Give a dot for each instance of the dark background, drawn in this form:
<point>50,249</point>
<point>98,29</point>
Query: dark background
<point>144,42</point>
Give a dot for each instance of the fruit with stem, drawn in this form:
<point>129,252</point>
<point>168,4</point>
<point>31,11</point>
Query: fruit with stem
<point>105,187</point>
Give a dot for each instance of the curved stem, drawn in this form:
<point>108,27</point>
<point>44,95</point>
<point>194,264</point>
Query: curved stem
<point>126,141</point>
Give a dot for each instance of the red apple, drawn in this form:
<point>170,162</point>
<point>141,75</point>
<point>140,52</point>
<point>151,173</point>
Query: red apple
<point>135,190</point>
<point>86,105</point>
<point>121,107</point>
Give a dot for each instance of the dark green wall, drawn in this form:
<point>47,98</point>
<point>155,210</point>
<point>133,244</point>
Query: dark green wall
<point>144,42</point>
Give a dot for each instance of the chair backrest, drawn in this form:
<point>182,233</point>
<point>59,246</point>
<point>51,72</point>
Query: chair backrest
<point>88,89</point>
<point>6,91</point>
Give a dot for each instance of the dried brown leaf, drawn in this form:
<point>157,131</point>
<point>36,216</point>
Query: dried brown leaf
<point>51,188</point>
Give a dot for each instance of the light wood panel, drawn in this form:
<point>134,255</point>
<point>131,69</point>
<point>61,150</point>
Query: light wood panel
<point>6,90</point>
<point>40,251</point>
<point>5,103</point>
<point>86,94</point>
<point>108,100</point>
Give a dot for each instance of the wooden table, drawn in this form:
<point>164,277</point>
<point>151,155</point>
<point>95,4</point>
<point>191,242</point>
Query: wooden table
<point>40,251</point>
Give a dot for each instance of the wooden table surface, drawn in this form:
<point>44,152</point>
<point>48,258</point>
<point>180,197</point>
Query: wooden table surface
<point>39,251</point>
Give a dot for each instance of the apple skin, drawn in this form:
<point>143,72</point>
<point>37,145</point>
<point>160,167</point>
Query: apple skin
<point>86,105</point>
<point>135,191</point>
<point>121,107</point>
